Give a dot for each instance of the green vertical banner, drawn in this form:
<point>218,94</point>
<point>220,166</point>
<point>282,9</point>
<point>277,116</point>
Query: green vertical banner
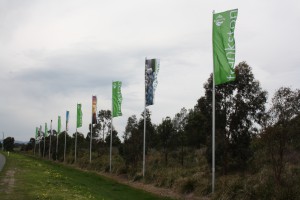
<point>59,125</point>
<point>224,46</point>
<point>46,130</point>
<point>116,98</point>
<point>36,132</point>
<point>79,116</point>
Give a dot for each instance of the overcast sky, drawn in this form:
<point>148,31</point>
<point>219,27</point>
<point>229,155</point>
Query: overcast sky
<point>57,53</point>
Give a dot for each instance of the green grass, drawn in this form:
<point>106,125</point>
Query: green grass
<point>41,179</point>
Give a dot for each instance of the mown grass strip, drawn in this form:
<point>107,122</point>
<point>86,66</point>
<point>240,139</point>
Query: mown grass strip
<point>25,177</point>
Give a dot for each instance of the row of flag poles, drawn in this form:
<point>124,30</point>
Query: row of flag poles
<point>151,71</point>
<point>223,43</point>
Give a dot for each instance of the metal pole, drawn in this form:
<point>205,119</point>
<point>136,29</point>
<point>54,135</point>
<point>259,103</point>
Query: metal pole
<point>40,141</point>
<point>75,145</point>
<point>213,128</point>
<point>144,143</point>
<point>50,139</point>
<point>91,135</point>
<point>34,146</point>
<point>44,144</point>
<point>213,138</point>
<point>111,128</point>
<point>44,141</point>
<point>75,156</point>
<point>65,147</point>
<point>144,146</point>
<point>2,141</point>
<point>57,144</point>
<point>39,147</point>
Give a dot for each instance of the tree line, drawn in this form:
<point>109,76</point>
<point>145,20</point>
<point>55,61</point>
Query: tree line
<point>245,124</point>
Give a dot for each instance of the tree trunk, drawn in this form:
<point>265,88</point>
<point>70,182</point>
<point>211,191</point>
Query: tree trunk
<point>166,156</point>
<point>182,153</point>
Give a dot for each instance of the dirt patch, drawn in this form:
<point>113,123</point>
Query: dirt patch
<point>8,182</point>
<point>164,192</point>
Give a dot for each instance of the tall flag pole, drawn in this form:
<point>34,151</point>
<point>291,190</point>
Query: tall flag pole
<point>144,139</point>
<point>213,124</point>
<point>58,132</point>
<point>50,139</point>
<point>67,123</point>
<point>116,110</point>
<point>78,125</point>
<point>94,121</point>
<point>151,72</point>
<point>45,135</point>
<point>223,61</point>
<point>36,136</point>
<point>40,132</point>
<point>2,141</point>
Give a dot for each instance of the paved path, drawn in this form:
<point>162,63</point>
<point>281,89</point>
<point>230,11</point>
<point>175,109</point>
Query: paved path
<point>2,161</point>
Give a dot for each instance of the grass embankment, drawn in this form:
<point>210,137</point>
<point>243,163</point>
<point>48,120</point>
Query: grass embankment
<point>25,177</point>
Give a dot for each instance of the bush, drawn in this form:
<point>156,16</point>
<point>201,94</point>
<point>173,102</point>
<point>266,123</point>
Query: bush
<point>188,186</point>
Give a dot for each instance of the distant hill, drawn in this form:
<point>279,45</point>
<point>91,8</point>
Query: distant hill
<point>20,142</point>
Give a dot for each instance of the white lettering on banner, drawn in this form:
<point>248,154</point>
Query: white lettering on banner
<point>231,65</point>
<point>232,24</point>
<point>230,49</point>
<point>232,16</point>
<point>228,55</point>
<point>230,36</point>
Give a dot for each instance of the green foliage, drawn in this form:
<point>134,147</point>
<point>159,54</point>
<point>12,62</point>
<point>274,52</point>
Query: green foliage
<point>278,135</point>
<point>239,108</point>
<point>104,119</point>
<point>257,186</point>
<point>179,124</point>
<point>195,128</point>
<point>115,139</point>
<point>166,134</point>
<point>31,144</point>
<point>8,144</point>
<point>61,145</point>
<point>151,136</point>
<point>132,149</point>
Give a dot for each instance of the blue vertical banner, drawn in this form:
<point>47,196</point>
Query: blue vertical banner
<point>151,72</point>
<point>67,120</point>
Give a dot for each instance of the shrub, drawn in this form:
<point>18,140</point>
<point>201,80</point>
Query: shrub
<point>188,186</point>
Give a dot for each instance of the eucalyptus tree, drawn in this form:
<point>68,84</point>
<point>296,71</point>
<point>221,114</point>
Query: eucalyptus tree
<point>239,109</point>
<point>279,133</point>
<point>131,149</point>
<point>104,117</point>
<point>179,124</point>
<point>166,134</point>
